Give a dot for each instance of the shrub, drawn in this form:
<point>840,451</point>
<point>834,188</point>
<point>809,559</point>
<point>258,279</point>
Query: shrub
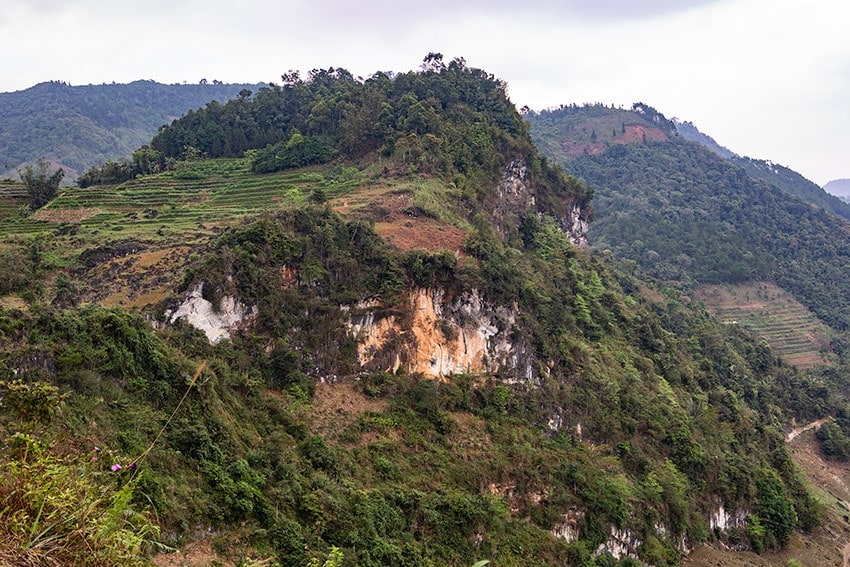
<point>298,151</point>
<point>69,511</point>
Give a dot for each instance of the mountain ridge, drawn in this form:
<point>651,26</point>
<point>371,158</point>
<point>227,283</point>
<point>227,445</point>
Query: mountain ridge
<point>76,127</point>
<point>661,203</point>
<point>780,176</point>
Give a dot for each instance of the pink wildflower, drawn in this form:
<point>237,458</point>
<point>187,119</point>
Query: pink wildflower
<point>116,467</point>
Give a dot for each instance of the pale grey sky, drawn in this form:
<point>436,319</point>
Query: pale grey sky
<point>766,78</point>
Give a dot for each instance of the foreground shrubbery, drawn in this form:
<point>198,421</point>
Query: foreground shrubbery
<point>65,508</point>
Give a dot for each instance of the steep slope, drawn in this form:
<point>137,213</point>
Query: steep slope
<point>76,127</point>
<point>690,132</point>
<point>500,393</point>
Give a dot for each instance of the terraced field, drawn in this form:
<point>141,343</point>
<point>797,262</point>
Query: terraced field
<point>773,315</point>
<point>188,201</point>
<point>128,244</point>
<point>12,196</point>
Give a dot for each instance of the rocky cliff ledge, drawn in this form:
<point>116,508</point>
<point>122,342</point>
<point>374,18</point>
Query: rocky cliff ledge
<point>437,336</point>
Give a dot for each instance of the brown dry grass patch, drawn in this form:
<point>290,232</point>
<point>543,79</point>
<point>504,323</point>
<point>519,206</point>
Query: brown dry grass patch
<point>137,280</point>
<point>336,406</point>
<point>71,215</point>
<point>390,209</point>
<point>421,234</point>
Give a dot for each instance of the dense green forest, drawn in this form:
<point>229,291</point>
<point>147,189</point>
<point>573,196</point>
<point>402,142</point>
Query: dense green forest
<point>77,127</point>
<point>638,417</point>
<point>773,174</point>
<point>688,216</point>
<point>679,424</point>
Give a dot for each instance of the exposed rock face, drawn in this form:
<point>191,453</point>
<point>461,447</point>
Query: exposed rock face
<point>723,521</point>
<point>516,196</point>
<point>32,360</point>
<point>620,544</point>
<point>568,528</point>
<point>216,324</point>
<point>575,225</point>
<point>438,337</point>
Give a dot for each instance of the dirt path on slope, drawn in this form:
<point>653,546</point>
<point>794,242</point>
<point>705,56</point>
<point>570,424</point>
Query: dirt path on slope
<point>813,425</point>
<point>793,434</point>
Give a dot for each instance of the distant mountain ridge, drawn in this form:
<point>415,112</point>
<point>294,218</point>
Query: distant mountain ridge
<point>690,217</point>
<point>839,187</point>
<point>76,127</point>
<point>690,132</point>
<point>777,175</point>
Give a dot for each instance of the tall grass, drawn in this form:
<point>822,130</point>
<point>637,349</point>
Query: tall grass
<point>68,510</point>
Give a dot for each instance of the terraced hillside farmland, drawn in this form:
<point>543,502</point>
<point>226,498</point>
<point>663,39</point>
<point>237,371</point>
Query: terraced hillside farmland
<point>127,244</point>
<point>124,244</point>
<point>13,195</point>
<point>194,196</point>
<point>773,315</point>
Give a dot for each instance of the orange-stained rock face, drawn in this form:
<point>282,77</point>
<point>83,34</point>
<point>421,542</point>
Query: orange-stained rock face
<point>437,354</point>
<point>437,338</point>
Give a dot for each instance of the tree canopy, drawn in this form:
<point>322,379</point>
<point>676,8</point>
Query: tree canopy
<point>41,183</point>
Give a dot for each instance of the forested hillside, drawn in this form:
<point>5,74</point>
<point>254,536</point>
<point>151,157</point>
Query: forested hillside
<point>774,174</point>
<point>76,127</point>
<point>354,393</point>
<point>689,217</point>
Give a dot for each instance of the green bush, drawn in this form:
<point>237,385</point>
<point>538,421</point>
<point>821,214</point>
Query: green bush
<point>834,442</point>
<point>298,151</point>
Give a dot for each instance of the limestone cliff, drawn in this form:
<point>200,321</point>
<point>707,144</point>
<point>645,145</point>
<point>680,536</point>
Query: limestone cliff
<point>438,336</point>
<point>516,196</point>
<point>217,324</point>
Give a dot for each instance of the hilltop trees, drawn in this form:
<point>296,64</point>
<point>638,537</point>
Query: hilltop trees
<point>462,116</point>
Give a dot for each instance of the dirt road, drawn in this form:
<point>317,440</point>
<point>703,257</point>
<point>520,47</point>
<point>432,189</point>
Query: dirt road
<point>794,433</point>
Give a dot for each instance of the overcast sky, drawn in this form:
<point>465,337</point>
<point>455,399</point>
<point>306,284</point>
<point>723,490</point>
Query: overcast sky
<point>766,78</point>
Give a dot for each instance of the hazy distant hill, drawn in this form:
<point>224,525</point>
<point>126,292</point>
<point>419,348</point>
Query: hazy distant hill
<point>80,126</point>
<point>839,187</point>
